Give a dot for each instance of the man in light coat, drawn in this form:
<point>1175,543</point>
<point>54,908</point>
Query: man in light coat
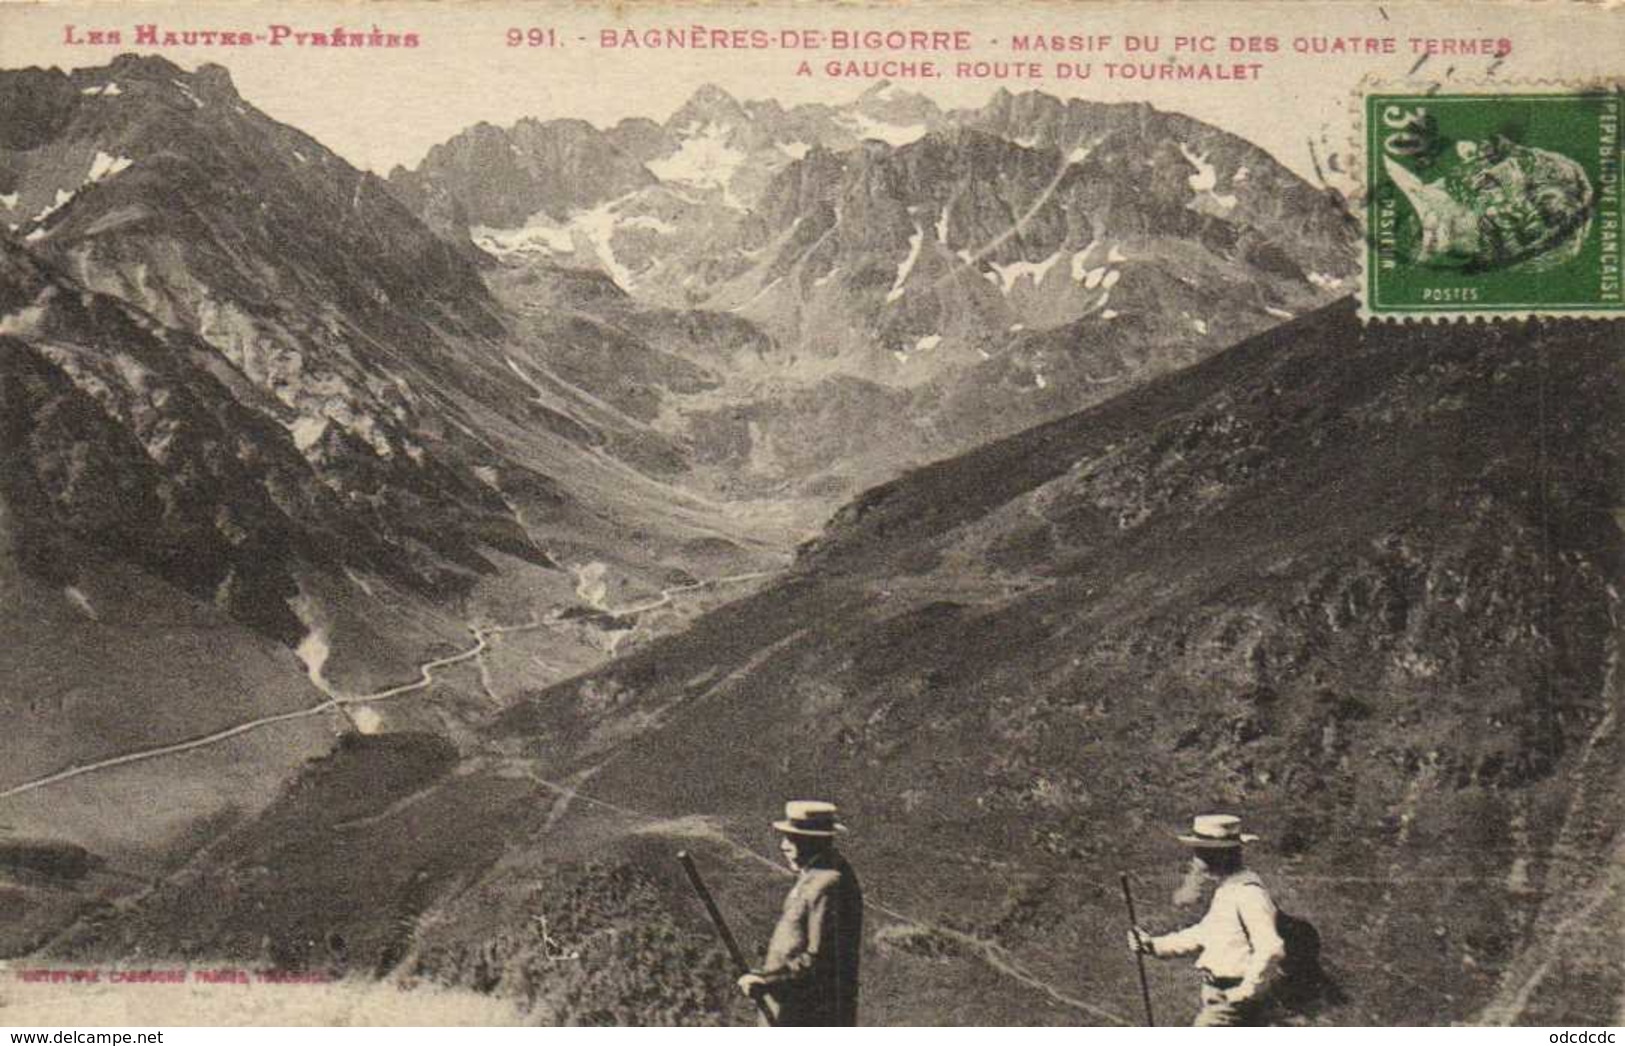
<point>1237,945</point>
<point>810,975</point>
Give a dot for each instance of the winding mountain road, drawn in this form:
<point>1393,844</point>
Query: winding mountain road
<point>337,703</point>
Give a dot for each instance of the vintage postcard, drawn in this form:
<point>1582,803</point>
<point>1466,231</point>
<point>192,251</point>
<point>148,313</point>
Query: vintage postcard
<point>811,513</point>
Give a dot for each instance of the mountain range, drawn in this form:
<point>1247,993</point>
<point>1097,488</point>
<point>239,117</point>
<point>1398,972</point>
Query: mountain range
<point>949,276</point>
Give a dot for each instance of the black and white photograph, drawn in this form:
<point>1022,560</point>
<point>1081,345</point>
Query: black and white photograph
<point>811,515</point>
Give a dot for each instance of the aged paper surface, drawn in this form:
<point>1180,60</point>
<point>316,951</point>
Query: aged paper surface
<point>458,456</point>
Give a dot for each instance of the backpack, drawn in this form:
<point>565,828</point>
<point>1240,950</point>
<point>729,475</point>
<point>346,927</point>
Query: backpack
<point>1302,959</point>
<point>1304,984</point>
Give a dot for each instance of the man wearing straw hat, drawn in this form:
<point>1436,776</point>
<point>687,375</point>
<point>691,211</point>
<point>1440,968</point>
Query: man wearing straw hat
<point>1236,944</point>
<point>810,975</point>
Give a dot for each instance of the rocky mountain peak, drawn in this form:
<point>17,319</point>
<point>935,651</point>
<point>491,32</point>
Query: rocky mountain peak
<point>709,104</point>
<point>888,101</point>
<point>215,78</point>
<point>142,66</point>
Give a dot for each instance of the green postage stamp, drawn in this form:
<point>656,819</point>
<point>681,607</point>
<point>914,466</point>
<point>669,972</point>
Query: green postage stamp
<point>1493,204</point>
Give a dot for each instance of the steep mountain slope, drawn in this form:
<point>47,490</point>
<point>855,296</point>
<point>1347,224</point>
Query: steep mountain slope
<point>1357,583</point>
<point>128,437</point>
<point>1231,178</point>
<point>331,311</point>
<point>502,177</point>
<point>271,445</point>
<point>1360,585</point>
<point>154,536</point>
<point>334,314</point>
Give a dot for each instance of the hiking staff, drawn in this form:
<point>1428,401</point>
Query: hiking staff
<point>740,966</point>
<point>1139,957</point>
<point>1237,944</point>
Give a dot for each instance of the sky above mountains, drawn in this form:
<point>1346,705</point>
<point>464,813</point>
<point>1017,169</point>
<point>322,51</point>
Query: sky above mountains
<point>383,107</point>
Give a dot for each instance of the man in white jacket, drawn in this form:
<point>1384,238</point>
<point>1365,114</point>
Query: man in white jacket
<point>1236,944</point>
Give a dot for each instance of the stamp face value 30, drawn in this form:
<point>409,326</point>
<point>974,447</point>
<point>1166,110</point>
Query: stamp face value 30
<point>1494,204</point>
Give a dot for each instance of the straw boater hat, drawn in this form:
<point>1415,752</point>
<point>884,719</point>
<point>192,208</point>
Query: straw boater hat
<point>1216,832</point>
<point>810,817</point>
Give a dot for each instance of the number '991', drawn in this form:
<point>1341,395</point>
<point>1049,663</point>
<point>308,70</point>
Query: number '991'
<point>533,37</point>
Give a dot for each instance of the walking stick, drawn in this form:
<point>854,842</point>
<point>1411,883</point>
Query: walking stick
<point>1139,957</point>
<point>740,966</point>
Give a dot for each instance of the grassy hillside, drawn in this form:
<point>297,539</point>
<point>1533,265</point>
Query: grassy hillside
<point>1356,583</point>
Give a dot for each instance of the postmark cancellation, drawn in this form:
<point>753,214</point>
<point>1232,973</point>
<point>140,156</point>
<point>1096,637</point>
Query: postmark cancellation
<point>1492,202</point>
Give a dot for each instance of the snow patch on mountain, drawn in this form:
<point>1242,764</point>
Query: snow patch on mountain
<point>62,198</point>
<point>538,235</point>
<point>80,601</point>
<point>9,200</point>
<point>307,431</point>
<point>927,343</point>
<point>1325,282</point>
<point>865,126</point>
<point>105,166</point>
<point>703,159</point>
<point>649,221</point>
<point>313,649</point>
<point>135,375</point>
<point>588,232</point>
<point>1206,177</point>
<point>107,90</point>
<point>1006,276</point>
<point>26,319</point>
<point>187,91</point>
<point>1103,276</point>
<point>1280,314</point>
<point>906,266</point>
<point>1204,183</point>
